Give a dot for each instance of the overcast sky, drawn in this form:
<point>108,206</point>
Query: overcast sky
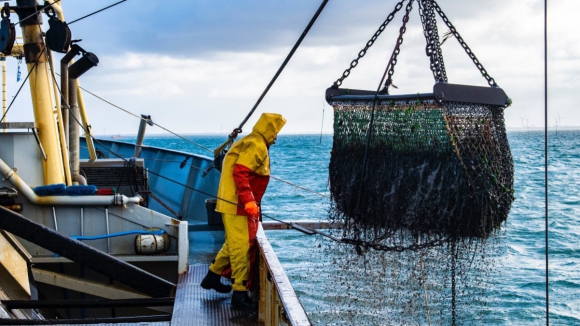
<point>198,66</point>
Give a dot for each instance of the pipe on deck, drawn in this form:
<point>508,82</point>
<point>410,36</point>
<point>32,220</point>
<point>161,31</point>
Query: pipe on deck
<point>116,200</point>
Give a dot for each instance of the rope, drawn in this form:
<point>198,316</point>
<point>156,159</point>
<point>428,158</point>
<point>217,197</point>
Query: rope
<point>76,20</point>
<point>133,114</point>
<point>22,85</point>
<point>299,187</point>
<point>288,57</point>
<point>546,156</point>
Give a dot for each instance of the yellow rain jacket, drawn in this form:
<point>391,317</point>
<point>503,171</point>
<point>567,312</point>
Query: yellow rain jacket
<point>246,168</point>
<point>245,176</point>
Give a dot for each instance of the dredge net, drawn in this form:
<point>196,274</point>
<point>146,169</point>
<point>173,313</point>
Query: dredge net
<point>431,168</point>
<point>438,184</point>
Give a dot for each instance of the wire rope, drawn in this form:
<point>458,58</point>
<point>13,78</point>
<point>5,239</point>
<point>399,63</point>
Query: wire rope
<point>288,57</point>
<point>76,20</point>
<point>546,159</point>
<point>24,82</point>
<point>136,116</point>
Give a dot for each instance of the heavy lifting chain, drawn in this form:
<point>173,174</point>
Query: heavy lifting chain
<point>370,43</point>
<point>397,248</point>
<point>479,66</point>
<point>433,48</point>
<point>393,62</point>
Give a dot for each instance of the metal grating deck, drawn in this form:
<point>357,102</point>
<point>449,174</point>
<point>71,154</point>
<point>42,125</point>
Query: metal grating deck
<point>195,306</point>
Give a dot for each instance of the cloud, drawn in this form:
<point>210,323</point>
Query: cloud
<point>199,66</point>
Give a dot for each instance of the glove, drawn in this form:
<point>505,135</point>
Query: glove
<point>252,209</point>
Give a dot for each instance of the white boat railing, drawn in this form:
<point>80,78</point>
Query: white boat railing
<point>279,304</point>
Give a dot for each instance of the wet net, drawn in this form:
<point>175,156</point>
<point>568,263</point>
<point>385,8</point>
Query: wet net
<point>444,170</point>
<point>437,185</point>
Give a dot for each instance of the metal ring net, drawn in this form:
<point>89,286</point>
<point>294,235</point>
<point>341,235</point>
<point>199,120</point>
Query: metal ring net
<point>441,170</point>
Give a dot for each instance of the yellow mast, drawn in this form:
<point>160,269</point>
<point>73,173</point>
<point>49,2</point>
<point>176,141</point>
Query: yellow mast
<point>44,115</point>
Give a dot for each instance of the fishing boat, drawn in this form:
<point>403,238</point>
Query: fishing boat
<point>97,231</point>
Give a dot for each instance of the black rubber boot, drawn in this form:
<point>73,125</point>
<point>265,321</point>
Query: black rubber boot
<point>241,300</point>
<point>213,281</point>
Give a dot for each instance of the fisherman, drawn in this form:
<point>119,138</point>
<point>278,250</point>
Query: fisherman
<point>244,178</point>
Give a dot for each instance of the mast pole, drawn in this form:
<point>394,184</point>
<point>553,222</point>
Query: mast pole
<point>44,116</point>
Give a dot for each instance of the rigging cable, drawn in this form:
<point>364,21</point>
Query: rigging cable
<point>76,20</point>
<point>138,117</point>
<point>22,85</point>
<point>546,156</point>
<point>288,57</point>
<point>231,137</point>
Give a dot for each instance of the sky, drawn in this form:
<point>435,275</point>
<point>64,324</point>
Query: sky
<point>198,66</point>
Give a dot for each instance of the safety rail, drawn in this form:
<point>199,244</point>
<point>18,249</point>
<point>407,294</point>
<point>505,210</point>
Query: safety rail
<point>279,304</point>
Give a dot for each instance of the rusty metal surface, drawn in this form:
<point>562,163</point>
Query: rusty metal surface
<point>195,306</point>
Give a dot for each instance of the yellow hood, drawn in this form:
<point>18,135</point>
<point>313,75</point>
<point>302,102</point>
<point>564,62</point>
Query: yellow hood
<point>269,125</point>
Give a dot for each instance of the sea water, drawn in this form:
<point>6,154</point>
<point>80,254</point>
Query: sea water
<point>516,289</point>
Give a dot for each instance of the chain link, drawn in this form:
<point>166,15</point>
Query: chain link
<point>398,248</point>
<point>433,48</point>
<point>370,43</point>
<point>479,66</point>
<point>397,50</point>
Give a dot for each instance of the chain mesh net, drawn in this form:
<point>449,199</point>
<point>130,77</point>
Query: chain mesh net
<point>437,186</point>
<point>431,169</point>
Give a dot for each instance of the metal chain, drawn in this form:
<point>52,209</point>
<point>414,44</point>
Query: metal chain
<point>397,50</point>
<point>370,43</point>
<point>442,70</point>
<point>433,48</point>
<point>484,73</point>
<point>399,248</point>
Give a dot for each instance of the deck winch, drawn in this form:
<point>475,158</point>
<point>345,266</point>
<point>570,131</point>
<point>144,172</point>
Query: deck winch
<point>430,163</point>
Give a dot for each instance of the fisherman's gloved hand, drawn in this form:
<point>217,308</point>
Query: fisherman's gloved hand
<point>252,209</point>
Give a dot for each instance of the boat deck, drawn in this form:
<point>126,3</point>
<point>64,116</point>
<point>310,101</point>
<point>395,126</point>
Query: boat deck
<point>196,306</point>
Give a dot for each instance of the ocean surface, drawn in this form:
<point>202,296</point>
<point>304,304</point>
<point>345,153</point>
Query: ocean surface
<point>515,284</point>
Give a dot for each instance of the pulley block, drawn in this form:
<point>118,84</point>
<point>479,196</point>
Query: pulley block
<point>7,31</point>
<point>58,36</point>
